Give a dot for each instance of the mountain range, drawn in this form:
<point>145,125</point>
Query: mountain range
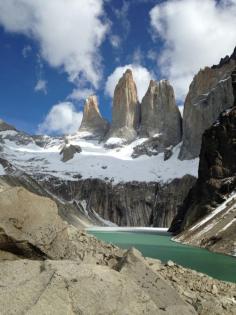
<point>136,170</point>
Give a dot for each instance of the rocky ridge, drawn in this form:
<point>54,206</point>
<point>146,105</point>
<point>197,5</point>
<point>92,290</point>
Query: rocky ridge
<point>207,217</point>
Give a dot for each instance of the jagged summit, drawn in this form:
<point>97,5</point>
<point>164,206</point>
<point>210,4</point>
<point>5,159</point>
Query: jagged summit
<point>126,109</point>
<point>92,121</point>
<point>160,115</point>
<point>226,59</point>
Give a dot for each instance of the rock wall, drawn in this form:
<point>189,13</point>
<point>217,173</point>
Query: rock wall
<point>216,182</point>
<point>160,115</point>
<point>169,198</point>
<point>92,121</point>
<point>126,109</point>
<point>210,93</point>
<point>126,204</point>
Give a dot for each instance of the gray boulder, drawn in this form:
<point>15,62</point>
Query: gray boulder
<point>126,109</point>
<point>160,115</point>
<point>30,227</point>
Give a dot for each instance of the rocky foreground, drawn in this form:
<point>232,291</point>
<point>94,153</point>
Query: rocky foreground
<point>49,267</point>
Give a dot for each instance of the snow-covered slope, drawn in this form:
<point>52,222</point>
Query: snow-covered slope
<point>95,160</point>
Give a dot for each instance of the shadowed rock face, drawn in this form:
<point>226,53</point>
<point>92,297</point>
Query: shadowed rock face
<point>216,181</point>
<point>126,109</point>
<point>92,121</point>
<point>160,115</point>
<point>210,93</point>
<point>125,204</point>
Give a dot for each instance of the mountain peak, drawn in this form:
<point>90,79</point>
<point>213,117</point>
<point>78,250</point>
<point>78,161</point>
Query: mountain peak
<point>92,121</point>
<point>126,108</point>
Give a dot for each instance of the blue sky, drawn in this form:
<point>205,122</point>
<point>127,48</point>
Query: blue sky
<point>44,58</point>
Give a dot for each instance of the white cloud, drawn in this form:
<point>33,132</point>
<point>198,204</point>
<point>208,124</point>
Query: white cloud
<point>62,119</point>
<point>122,16</point>
<point>80,94</point>
<point>41,86</point>
<point>196,33</point>
<point>26,51</point>
<point>69,32</point>
<point>138,56</point>
<point>152,55</point>
<point>141,76</point>
<point>115,41</point>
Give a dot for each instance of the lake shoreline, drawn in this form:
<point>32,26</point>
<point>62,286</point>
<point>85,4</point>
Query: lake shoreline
<point>157,243</point>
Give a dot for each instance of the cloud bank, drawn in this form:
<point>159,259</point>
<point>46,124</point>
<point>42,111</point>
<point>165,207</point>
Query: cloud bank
<point>141,76</point>
<point>196,33</point>
<point>62,119</point>
<point>69,33</point>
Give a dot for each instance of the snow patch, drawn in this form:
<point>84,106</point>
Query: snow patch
<point>228,225</point>
<point>115,141</point>
<point>214,213</point>
<point>2,171</point>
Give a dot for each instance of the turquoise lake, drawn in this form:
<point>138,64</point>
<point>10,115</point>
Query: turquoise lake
<point>161,247</point>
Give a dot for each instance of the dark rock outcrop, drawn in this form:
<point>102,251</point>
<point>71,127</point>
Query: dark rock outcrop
<point>92,121</point>
<point>216,181</point>
<point>225,60</point>
<point>159,114</point>
<point>68,151</point>
<point>210,93</point>
<point>125,110</point>
<point>169,198</point>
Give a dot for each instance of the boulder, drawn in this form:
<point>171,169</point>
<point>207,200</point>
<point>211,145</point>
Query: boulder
<point>66,287</point>
<point>159,114</point>
<point>68,151</point>
<point>134,265</point>
<point>31,227</point>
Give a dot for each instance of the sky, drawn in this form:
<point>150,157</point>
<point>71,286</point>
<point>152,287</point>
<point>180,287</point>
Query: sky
<point>55,53</point>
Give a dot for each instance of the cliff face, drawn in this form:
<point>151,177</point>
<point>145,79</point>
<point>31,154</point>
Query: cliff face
<point>160,115</point>
<point>126,109</point>
<point>125,204</point>
<point>207,217</point>
<point>169,198</point>
<point>210,93</point>
<point>92,121</point>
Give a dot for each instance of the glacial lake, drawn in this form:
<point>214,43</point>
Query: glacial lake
<point>160,246</point>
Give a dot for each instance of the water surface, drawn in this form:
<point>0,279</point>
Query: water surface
<point>159,245</point>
